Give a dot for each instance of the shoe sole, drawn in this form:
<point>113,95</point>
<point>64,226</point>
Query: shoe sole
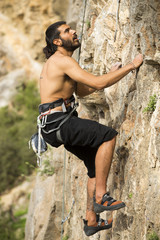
<point>92,230</point>
<point>98,208</point>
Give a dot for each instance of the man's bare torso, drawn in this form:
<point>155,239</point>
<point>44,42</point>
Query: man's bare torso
<point>54,83</point>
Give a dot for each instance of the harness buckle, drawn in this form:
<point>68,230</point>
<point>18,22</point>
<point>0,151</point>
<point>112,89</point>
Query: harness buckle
<point>64,107</point>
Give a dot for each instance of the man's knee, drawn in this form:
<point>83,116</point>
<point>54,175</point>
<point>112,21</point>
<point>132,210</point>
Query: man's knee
<point>111,142</point>
<point>114,139</point>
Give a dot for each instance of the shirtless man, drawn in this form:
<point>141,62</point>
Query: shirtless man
<point>90,141</point>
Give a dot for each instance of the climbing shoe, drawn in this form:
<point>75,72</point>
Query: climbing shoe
<point>98,226</point>
<point>107,204</point>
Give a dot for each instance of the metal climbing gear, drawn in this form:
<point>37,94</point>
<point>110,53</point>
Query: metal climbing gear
<point>38,144</point>
<point>34,143</point>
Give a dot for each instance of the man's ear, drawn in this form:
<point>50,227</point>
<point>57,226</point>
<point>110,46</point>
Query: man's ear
<point>57,42</point>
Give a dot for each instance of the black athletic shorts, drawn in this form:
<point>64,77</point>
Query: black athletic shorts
<point>82,137</point>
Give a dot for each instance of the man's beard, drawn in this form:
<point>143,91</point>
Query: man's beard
<point>69,45</point>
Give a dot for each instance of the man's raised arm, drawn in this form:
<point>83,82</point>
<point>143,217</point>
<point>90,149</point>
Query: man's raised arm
<point>83,90</point>
<point>75,72</point>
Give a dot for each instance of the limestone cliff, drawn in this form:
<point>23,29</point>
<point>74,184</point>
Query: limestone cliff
<point>112,32</point>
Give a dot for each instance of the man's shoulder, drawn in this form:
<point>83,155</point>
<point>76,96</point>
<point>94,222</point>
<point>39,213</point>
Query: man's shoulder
<point>61,60</point>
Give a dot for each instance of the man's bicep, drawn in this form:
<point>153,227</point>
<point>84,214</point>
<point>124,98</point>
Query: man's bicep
<point>83,90</point>
<point>75,72</point>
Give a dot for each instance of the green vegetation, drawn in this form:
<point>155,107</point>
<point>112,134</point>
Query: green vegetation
<point>152,236</point>
<point>47,169</point>
<point>88,24</point>
<point>18,123</point>
<point>65,238</point>
<point>20,212</point>
<point>130,195</point>
<point>152,104</point>
<point>12,225</point>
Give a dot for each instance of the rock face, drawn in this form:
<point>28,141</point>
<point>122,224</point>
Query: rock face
<point>111,32</point>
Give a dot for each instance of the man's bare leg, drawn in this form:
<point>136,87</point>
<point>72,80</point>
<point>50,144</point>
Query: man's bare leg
<point>103,163</point>
<point>90,214</point>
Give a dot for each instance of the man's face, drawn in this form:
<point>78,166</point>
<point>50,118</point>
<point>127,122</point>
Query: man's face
<point>68,37</point>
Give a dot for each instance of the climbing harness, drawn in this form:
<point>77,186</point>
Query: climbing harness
<point>37,142</point>
<point>117,19</point>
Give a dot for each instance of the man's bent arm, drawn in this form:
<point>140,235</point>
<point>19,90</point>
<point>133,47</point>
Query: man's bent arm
<point>74,71</point>
<point>83,90</point>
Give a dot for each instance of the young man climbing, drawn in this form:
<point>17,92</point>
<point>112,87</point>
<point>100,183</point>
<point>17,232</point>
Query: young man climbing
<point>90,141</point>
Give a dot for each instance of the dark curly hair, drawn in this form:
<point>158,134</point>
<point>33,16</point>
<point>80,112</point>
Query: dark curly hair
<point>51,34</point>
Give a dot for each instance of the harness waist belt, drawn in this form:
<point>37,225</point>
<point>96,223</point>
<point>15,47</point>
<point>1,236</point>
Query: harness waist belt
<point>60,102</point>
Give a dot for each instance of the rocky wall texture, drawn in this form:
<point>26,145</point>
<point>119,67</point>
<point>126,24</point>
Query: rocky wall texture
<point>135,172</point>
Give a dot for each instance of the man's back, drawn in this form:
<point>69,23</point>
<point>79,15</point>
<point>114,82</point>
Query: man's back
<point>54,83</point>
